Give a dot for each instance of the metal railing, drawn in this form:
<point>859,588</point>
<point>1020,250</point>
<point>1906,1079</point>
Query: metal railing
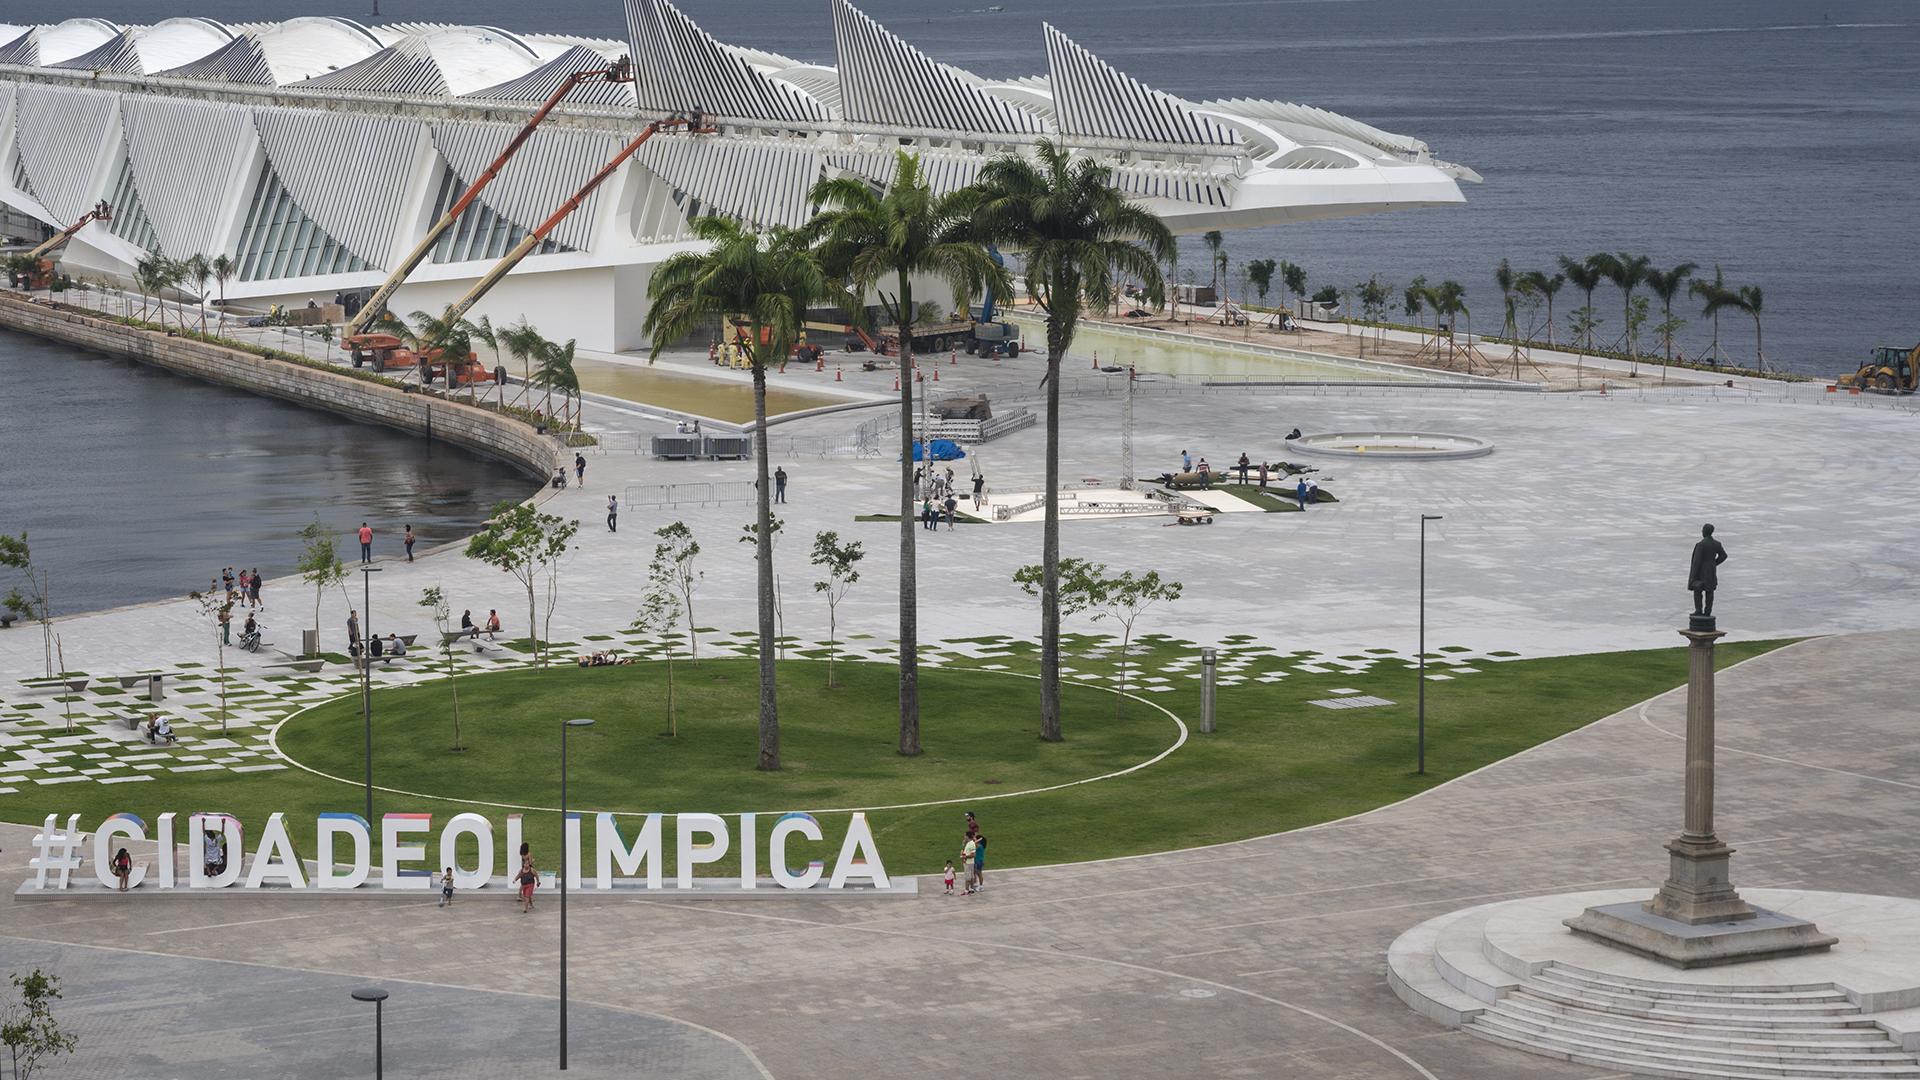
<point>697,494</point>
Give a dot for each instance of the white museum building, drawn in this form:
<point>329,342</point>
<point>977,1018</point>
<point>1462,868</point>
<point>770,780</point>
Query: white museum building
<point>317,152</point>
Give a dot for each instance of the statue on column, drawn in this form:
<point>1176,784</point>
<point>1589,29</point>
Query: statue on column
<point>1704,575</point>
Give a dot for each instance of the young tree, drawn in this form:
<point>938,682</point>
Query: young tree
<point>1713,295</point>
<point>1122,598</point>
<point>1295,277</point>
<point>218,611</point>
<point>1214,239</point>
<point>197,270</point>
<point>1666,284</point>
<point>1075,228</point>
<point>222,267</point>
<point>27,1027</point>
<point>1749,299</point>
<point>436,601</point>
<point>555,372</point>
<point>841,563</point>
<point>1413,300</point>
<point>659,614</point>
<point>1546,286</point>
<point>1581,324</point>
<point>319,566</point>
<point>35,603</point>
<point>528,544</point>
<point>1586,276</point>
<point>673,562</point>
<point>1627,272</point>
<point>483,331</point>
<point>523,343</point>
<point>871,240</point>
<point>1260,273</point>
<point>767,280</point>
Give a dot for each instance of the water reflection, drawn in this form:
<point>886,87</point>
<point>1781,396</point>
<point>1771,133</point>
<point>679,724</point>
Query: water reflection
<point>136,484</point>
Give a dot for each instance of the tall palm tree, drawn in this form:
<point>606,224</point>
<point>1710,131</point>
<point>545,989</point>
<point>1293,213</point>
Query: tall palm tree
<point>1547,287</point>
<point>430,334</point>
<point>1586,276</point>
<point>1504,277</point>
<point>1666,285</point>
<point>1064,213</point>
<point>482,330</point>
<point>880,241</point>
<point>197,270</point>
<point>523,343</point>
<point>1749,301</point>
<point>1214,240</point>
<point>1713,296</point>
<point>555,372</point>
<point>1627,272</point>
<point>768,280</point>
<point>222,267</point>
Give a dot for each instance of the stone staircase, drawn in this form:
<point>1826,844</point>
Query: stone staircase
<point>1665,1029</point>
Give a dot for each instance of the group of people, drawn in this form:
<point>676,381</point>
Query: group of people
<point>472,630</point>
<point>1305,489</point>
<point>973,861</point>
<point>939,499</point>
<point>239,588</point>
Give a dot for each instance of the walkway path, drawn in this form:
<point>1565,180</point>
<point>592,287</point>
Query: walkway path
<point>1258,959</point>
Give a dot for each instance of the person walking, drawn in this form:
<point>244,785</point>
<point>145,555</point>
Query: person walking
<point>580,470</point>
<point>226,623</point>
<point>366,543</point>
<point>780,484</point>
<point>1300,492</point>
<point>979,491</point>
<point>408,541</point>
<point>1186,462</point>
<point>525,878</point>
<point>253,587</point>
<point>613,514</point>
<point>353,633</point>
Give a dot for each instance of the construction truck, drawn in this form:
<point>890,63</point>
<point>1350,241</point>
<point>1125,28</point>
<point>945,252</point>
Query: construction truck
<point>986,337</point>
<point>40,266</point>
<point>1892,370</point>
<point>386,352</point>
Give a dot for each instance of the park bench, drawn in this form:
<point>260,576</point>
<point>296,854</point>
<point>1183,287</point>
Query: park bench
<point>309,665</point>
<point>73,683</point>
<point>155,680</point>
<point>480,638</point>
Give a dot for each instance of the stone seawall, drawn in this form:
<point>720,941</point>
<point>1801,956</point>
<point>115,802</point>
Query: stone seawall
<point>507,439</point>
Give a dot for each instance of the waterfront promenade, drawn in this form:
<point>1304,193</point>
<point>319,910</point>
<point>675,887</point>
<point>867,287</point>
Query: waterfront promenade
<point>1254,959</point>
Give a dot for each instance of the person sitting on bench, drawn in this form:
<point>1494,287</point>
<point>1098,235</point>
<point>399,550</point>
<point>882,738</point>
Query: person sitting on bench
<point>159,730</point>
<point>493,623</point>
<point>395,647</point>
<point>467,629</point>
<point>374,647</point>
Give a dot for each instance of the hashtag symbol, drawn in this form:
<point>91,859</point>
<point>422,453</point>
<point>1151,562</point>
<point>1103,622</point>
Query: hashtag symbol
<point>53,838</point>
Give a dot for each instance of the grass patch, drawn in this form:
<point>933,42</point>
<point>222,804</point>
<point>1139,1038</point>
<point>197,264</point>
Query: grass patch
<point>1276,762</point>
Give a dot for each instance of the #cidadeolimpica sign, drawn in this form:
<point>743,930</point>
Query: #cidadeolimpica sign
<point>343,859</point>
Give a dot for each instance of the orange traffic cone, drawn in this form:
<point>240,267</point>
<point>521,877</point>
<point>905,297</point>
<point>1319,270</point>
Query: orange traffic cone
<point>836,373</point>
<point>953,356</point>
<point>896,382</point>
<point>936,373</point>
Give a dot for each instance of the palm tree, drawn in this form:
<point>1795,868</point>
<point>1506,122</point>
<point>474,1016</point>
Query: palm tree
<point>871,241</point>
<point>1213,239</point>
<point>769,280</point>
<point>1713,296</point>
<point>197,270</point>
<point>1546,287</point>
<point>1504,277</point>
<point>1749,301</point>
<point>1666,285</point>
<point>223,267</point>
<point>483,330</point>
<point>523,343</point>
<point>1585,276</point>
<point>1627,272</point>
<point>1260,273</point>
<point>1074,228</point>
<point>556,373</point>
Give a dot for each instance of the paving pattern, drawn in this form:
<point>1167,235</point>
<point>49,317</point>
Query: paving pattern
<point>1260,958</point>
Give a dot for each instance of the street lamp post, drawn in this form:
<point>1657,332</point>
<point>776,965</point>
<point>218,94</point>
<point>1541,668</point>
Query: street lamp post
<point>566,868</point>
<point>378,997</point>
<point>366,675</point>
<point>1424,518</point>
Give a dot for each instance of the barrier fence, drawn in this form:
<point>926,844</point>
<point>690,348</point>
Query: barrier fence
<point>699,494</point>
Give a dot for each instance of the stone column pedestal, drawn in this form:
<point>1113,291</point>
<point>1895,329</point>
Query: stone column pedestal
<point>1697,919</point>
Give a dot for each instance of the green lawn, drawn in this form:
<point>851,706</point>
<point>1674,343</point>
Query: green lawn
<point>1276,762</point>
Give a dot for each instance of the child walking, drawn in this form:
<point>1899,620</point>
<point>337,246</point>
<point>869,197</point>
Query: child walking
<point>446,887</point>
<point>948,877</point>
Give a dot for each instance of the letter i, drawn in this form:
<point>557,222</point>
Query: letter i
<point>163,840</point>
<point>749,852</point>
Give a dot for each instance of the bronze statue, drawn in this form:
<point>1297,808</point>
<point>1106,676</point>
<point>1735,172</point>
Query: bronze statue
<point>1704,576</point>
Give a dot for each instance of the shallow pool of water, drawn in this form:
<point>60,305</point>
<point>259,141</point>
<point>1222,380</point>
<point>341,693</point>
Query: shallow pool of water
<point>720,399</point>
<point>1150,350</point>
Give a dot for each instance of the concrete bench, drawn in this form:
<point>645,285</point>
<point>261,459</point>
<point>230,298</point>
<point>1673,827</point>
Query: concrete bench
<point>73,684</point>
<point>309,665</point>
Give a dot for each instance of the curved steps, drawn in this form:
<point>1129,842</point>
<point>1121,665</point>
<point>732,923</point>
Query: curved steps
<point>1733,1033</point>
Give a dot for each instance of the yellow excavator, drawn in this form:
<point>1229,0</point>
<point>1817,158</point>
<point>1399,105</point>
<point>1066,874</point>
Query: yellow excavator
<point>1892,370</point>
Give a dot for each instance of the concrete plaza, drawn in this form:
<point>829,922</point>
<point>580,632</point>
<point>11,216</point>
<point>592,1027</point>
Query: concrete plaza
<point>1260,958</point>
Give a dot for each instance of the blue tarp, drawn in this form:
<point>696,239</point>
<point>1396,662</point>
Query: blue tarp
<point>939,450</point>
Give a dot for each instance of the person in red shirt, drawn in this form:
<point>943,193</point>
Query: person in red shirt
<point>366,543</point>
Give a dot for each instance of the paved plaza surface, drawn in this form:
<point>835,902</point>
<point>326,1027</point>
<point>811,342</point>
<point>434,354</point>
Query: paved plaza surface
<point>1260,958</point>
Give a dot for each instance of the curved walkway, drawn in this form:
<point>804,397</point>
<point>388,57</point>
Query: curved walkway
<point>1260,958</point>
